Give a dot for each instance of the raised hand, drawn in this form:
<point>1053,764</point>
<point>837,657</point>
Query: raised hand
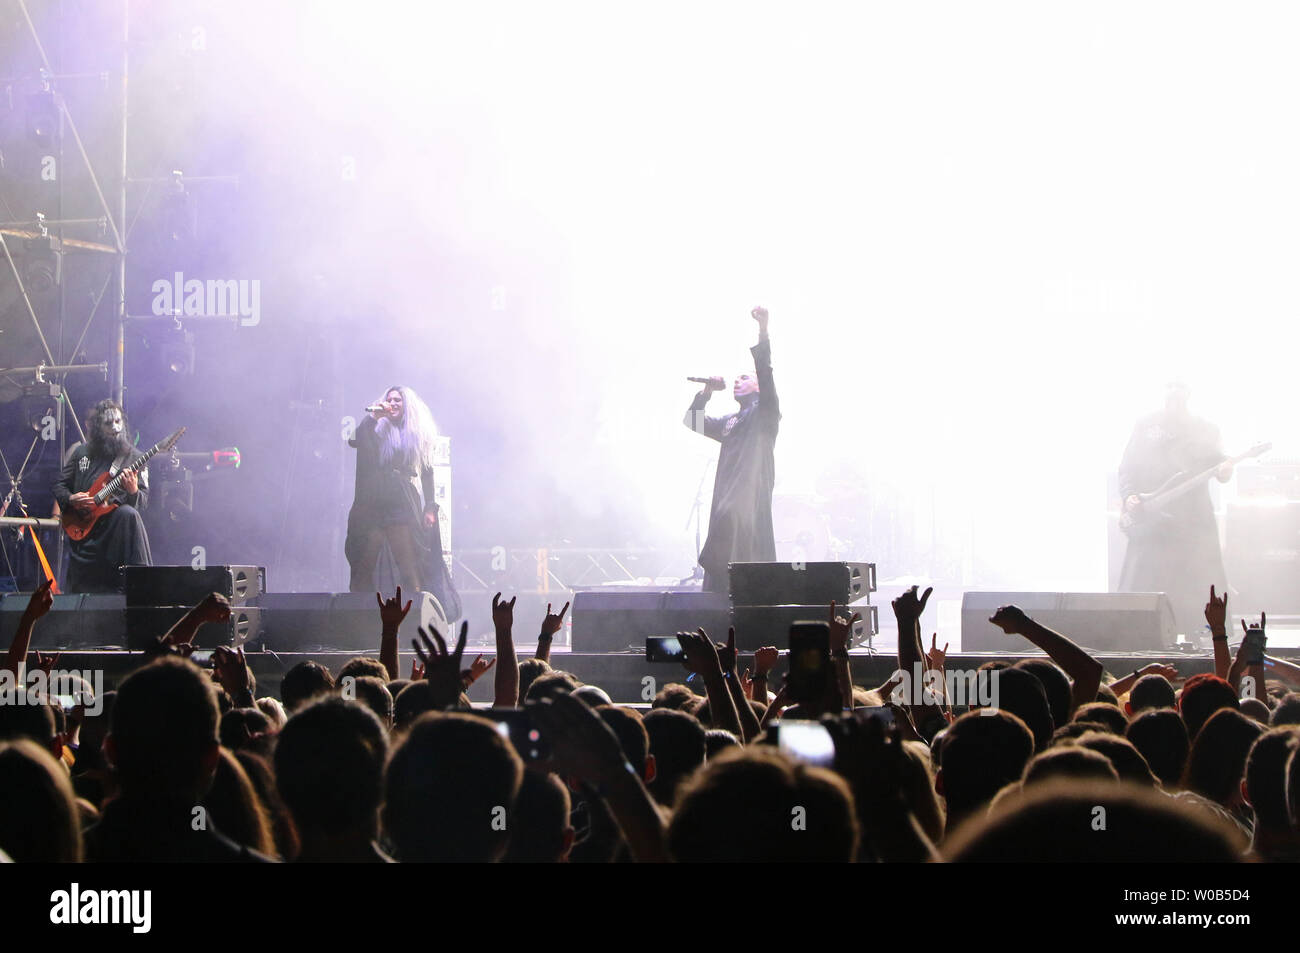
<point>1260,625</point>
<point>760,315</point>
<point>553,623</point>
<point>841,629</point>
<point>215,608</point>
<point>1216,613</point>
<point>503,613</point>
<point>441,667</point>
<point>747,685</point>
<point>391,611</point>
<point>476,670</point>
<point>417,671</point>
<point>46,663</point>
<point>1010,619</point>
<point>727,653</point>
<point>41,601</point>
<point>701,653</point>
<point>765,659</point>
<point>909,605</point>
<point>934,658</point>
<point>1155,668</point>
<point>230,668</point>
<point>582,745</point>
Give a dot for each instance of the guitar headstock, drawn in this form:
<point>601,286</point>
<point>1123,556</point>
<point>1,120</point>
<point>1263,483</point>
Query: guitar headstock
<point>1261,448</point>
<point>171,441</point>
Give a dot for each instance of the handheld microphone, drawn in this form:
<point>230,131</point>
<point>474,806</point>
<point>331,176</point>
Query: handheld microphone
<point>698,380</point>
<point>375,408</point>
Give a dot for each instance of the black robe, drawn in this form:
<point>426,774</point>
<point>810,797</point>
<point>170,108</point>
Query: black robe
<point>118,539</point>
<point>740,519</point>
<point>385,495</point>
<point>1179,554</point>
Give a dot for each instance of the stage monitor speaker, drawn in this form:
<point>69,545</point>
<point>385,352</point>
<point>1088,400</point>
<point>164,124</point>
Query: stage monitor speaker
<point>76,621</point>
<point>1100,621</point>
<point>144,624</point>
<point>310,621</point>
<point>757,626</point>
<point>187,586</point>
<point>801,584</point>
<point>621,619</point>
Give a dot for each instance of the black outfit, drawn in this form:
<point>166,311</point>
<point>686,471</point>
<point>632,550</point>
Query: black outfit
<point>385,496</point>
<point>1175,551</point>
<point>119,538</point>
<point>160,831</point>
<point>740,519</point>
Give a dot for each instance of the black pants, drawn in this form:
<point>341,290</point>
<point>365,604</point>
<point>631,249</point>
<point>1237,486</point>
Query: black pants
<point>118,539</point>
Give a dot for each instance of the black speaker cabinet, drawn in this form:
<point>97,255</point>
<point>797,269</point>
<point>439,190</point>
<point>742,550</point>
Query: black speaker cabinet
<point>76,621</point>
<point>144,624</point>
<point>1101,621</point>
<point>801,584</point>
<point>186,586</point>
<point>757,626</point>
<point>621,619</point>
<point>348,621</point>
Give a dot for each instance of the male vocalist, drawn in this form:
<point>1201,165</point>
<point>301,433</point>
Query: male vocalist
<point>740,519</point>
<point>119,538</point>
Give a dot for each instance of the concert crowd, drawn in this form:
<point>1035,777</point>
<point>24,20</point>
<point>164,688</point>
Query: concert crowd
<point>183,763</point>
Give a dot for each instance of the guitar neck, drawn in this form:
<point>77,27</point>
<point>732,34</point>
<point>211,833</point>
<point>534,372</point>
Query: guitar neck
<point>1178,489</point>
<point>114,484</point>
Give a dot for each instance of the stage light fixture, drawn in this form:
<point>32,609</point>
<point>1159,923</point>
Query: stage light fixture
<point>43,264</point>
<point>178,354</point>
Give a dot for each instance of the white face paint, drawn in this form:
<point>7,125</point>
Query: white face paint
<point>113,422</point>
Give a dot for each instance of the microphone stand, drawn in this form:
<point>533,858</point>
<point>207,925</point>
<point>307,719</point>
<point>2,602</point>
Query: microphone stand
<point>697,509</point>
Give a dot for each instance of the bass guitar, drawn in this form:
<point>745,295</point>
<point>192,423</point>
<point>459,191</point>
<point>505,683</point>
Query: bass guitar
<point>1150,512</point>
<point>79,521</point>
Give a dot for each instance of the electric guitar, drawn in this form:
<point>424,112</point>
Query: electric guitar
<point>1149,512</point>
<point>79,521</point>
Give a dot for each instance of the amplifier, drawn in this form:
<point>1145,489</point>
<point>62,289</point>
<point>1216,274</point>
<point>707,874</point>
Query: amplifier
<point>1105,621</point>
<point>144,624</point>
<point>186,586</point>
<point>613,619</point>
<point>757,626</point>
<point>1262,557</point>
<point>801,584</point>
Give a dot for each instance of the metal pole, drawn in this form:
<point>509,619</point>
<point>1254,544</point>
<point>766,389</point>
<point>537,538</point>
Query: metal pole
<point>119,355</point>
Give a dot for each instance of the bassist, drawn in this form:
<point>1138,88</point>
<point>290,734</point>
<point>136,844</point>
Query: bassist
<point>119,537</point>
<point>1173,549</point>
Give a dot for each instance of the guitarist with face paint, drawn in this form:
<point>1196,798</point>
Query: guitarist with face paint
<point>118,538</point>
